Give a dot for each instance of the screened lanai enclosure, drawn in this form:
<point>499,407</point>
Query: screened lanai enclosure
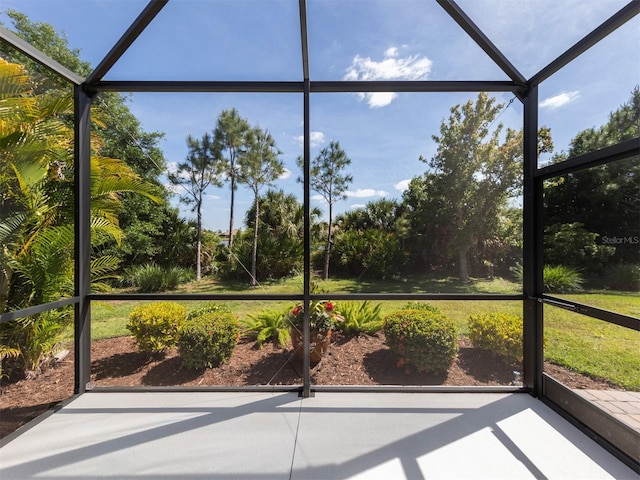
<point>501,137</point>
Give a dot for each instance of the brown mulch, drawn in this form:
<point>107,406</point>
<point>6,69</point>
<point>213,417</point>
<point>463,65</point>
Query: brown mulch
<point>351,360</point>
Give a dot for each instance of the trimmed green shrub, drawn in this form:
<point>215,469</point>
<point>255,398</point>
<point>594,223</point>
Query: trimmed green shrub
<point>499,333</point>
<point>268,325</point>
<point>208,340</point>
<point>625,277</point>
<point>424,340</point>
<point>360,317</point>
<point>156,326</point>
<point>561,279</point>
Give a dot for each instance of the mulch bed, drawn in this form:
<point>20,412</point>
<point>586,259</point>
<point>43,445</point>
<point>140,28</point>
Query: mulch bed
<point>351,360</point>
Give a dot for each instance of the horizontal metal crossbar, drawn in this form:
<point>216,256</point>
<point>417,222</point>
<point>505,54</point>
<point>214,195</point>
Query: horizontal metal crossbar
<point>300,297</point>
<point>611,317</point>
<point>191,296</point>
<point>298,87</point>
<point>45,307</point>
<point>620,151</point>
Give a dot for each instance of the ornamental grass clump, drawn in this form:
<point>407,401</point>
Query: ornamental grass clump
<point>424,340</point>
<point>499,333</point>
<point>156,326</point>
<point>208,340</point>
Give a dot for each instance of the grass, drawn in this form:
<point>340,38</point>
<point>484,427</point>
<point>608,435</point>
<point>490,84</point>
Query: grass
<point>580,343</point>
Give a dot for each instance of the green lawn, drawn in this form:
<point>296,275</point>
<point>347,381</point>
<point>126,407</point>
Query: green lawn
<point>583,344</point>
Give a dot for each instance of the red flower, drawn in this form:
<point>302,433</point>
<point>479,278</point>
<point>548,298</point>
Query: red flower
<point>295,311</point>
<point>329,306</point>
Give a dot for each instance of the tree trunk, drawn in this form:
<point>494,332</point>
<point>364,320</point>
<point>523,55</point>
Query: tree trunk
<point>327,250</point>
<point>463,264</point>
<point>233,188</point>
<point>199,243</point>
<point>254,250</point>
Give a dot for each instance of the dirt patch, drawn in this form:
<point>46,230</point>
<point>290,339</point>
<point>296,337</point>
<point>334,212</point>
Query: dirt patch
<point>351,360</point>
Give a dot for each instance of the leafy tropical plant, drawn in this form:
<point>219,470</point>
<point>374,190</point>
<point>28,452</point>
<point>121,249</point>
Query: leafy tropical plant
<point>268,325</point>
<point>36,229</point>
<point>360,317</point>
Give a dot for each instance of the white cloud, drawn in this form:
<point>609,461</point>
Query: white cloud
<point>559,100</point>
<point>402,185</point>
<point>315,138</point>
<point>391,67</point>
<point>285,174</point>
<point>391,52</point>
<point>174,188</point>
<point>210,196</point>
<point>356,206</point>
<point>366,192</point>
<point>378,99</point>
<point>317,198</point>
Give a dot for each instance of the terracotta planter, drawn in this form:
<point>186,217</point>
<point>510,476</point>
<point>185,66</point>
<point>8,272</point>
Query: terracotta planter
<point>319,344</point>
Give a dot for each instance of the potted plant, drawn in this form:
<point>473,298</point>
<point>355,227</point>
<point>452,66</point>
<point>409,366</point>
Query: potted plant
<point>322,317</point>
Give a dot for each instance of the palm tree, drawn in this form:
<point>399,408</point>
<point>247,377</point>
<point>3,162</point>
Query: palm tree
<point>36,227</point>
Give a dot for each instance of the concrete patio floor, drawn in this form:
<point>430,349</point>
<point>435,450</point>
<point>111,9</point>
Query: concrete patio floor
<point>248,435</point>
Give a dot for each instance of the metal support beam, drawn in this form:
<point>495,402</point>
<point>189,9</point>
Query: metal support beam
<point>306,365</point>
<point>16,42</point>
<point>304,42</point>
<point>478,36</point>
<point>36,309</point>
<point>620,151</point>
<point>186,86</point>
<point>620,18</point>
<point>416,86</point>
<point>82,269</point>
<point>532,250</point>
<point>121,46</point>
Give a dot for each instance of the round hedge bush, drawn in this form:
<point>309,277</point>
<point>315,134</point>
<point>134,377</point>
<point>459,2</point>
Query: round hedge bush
<point>500,333</point>
<point>208,340</point>
<point>156,326</point>
<point>423,339</point>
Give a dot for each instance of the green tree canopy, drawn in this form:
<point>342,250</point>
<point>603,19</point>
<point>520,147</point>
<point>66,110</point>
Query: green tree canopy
<point>604,199</point>
<point>476,169</point>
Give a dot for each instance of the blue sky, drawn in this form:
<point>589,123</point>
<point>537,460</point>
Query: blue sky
<point>383,134</point>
